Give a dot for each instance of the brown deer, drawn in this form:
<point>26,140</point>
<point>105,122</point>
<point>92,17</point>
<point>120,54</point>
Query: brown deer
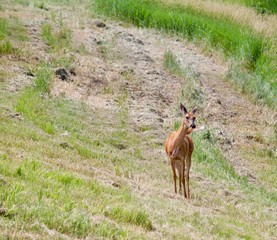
<point>179,148</point>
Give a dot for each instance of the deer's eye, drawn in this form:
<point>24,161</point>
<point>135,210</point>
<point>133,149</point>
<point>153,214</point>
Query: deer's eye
<point>187,117</point>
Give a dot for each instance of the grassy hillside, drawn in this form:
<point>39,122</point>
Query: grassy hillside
<point>251,50</point>
<point>77,158</point>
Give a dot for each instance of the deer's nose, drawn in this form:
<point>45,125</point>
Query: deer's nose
<point>192,126</point>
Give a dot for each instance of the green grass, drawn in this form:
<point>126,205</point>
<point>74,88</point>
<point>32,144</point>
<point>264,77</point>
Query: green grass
<point>71,171</point>
<point>36,195</point>
<point>136,217</point>
<point>40,5</point>
<point>60,44</point>
<point>30,102</point>
<point>11,30</point>
<point>254,53</point>
<point>40,192</point>
<point>171,64</point>
<point>58,41</point>
<point>261,6</point>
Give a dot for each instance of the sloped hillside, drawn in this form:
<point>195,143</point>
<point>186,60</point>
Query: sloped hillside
<point>86,104</point>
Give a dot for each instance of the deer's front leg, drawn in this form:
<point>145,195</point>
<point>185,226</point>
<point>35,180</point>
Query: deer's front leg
<point>178,166</point>
<point>173,174</point>
<point>183,177</point>
<point>188,164</point>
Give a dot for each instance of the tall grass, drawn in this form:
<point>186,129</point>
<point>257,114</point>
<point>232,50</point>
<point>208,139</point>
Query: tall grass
<point>11,30</point>
<point>251,50</point>
<point>30,101</point>
<point>261,6</point>
<point>59,40</point>
<point>234,12</point>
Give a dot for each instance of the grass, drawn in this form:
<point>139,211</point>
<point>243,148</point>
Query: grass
<point>40,5</point>
<point>235,41</point>
<point>240,14</point>
<point>71,171</point>
<point>10,30</point>
<point>58,202</point>
<point>54,186</point>
<point>261,6</point>
<point>65,202</point>
<point>58,41</point>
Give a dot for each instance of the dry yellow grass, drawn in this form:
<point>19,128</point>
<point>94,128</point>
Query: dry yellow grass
<point>264,24</point>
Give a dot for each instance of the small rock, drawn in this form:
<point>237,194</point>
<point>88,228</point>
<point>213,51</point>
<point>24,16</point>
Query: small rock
<point>227,193</point>
<point>17,116</point>
<point>160,120</point>
<point>121,146</point>
<point>117,185</point>
<point>99,42</point>
<point>100,24</point>
<point>3,211</point>
<point>127,71</point>
<point>62,74</point>
<point>65,145</point>
<point>72,71</point>
<point>30,74</point>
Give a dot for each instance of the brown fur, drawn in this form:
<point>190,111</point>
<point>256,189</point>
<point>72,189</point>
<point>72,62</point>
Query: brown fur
<point>179,147</point>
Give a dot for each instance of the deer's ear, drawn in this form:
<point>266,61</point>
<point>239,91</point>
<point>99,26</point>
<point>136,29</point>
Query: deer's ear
<point>182,108</point>
<point>194,110</point>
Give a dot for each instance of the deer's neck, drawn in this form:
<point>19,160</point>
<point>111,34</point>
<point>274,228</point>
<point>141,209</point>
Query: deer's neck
<point>180,134</point>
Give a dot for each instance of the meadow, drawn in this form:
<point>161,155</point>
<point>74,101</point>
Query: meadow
<point>70,169</point>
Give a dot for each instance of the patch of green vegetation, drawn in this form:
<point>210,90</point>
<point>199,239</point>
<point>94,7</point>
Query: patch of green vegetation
<point>136,217</point>
<point>3,75</point>
<point>10,30</point>
<point>63,197</point>
<point>6,48</point>
<point>261,6</point>
<point>22,2</point>
<point>109,231</point>
<point>171,64</point>
<point>252,51</point>
<point>54,199</point>
<point>254,85</point>
<point>58,41</point>
<point>31,104</point>
<point>40,5</point>
<point>192,90</point>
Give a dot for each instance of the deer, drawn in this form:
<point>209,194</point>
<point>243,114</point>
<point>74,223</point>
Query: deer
<point>179,147</point>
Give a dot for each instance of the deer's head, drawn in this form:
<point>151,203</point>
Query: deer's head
<point>189,118</point>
